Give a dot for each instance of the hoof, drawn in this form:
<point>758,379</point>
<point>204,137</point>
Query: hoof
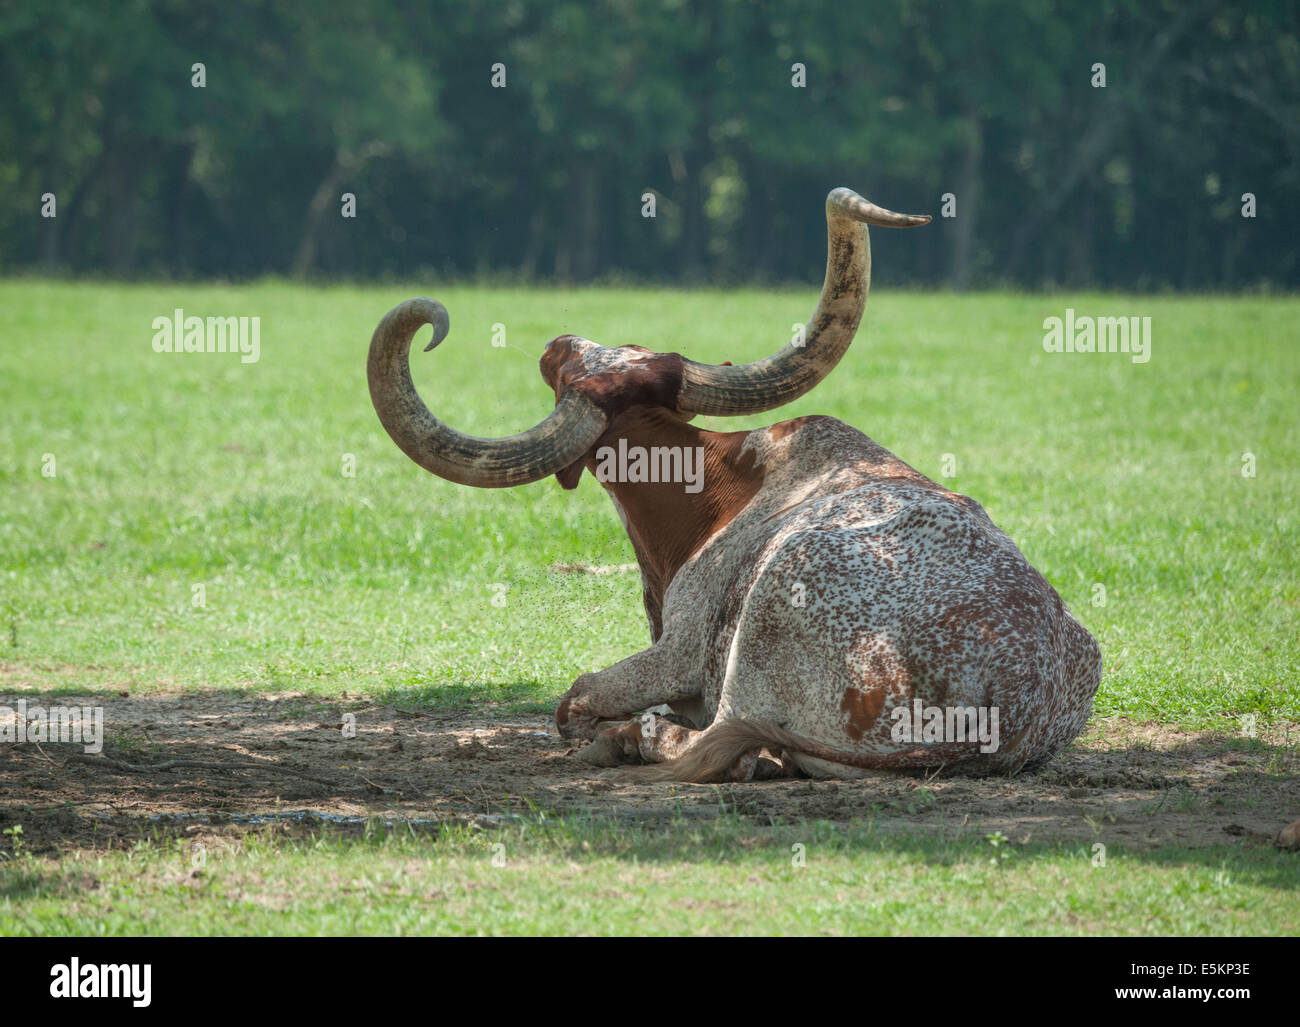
<point>603,752</point>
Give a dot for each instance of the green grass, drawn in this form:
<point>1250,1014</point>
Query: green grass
<point>175,471</point>
<point>724,877</point>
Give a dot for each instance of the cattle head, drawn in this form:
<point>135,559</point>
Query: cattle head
<point>596,387</point>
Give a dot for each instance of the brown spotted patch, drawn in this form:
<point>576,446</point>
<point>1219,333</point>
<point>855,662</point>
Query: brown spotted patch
<point>863,708</point>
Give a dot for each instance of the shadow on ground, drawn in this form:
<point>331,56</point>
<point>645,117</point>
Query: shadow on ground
<point>231,762</point>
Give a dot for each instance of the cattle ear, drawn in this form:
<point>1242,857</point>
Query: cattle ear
<point>568,477</point>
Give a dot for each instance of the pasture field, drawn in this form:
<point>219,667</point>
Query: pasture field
<point>234,561</point>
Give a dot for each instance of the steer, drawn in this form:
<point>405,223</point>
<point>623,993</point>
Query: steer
<point>815,604</point>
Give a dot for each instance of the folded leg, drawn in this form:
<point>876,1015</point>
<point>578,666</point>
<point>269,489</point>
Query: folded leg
<point>616,693</point>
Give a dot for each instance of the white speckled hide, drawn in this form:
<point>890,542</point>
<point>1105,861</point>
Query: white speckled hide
<point>908,592</point>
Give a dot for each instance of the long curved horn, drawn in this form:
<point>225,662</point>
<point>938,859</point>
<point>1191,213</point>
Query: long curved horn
<point>562,438</point>
<point>795,369</point>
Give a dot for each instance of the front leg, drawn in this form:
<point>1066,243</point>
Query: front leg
<point>652,739</point>
<point>643,680</point>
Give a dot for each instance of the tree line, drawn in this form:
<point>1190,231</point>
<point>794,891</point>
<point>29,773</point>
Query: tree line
<point>1108,144</point>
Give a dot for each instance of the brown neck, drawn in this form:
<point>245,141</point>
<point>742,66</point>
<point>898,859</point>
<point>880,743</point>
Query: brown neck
<point>665,522</point>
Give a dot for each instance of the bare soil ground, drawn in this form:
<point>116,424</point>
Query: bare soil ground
<point>1138,785</point>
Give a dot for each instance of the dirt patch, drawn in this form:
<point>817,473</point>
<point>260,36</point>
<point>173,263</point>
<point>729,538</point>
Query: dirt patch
<point>235,763</point>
